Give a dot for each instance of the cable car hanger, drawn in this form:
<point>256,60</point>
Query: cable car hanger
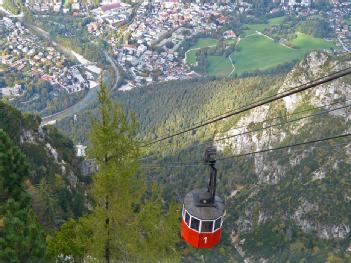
<point>203,210</point>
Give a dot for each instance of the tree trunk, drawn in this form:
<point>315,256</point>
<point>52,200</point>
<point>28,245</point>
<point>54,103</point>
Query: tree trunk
<point>107,225</point>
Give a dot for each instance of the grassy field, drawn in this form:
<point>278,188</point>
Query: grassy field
<point>306,42</point>
<point>200,43</point>
<point>3,67</point>
<point>230,41</point>
<point>191,57</point>
<point>259,52</point>
<point>219,66</point>
<point>252,28</point>
<point>205,42</point>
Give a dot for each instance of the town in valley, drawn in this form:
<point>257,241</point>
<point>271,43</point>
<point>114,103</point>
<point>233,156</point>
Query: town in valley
<point>156,41</point>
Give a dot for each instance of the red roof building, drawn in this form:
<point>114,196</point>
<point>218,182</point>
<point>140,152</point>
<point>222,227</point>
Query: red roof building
<point>109,7</point>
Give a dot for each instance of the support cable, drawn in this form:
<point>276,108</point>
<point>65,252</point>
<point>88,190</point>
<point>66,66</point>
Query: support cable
<point>201,163</point>
<point>273,125</point>
<point>293,91</point>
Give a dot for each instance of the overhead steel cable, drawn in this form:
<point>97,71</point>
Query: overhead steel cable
<point>288,146</point>
<point>272,119</point>
<point>295,113</point>
<point>283,123</point>
<point>301,88</point>
<point>200,163</point>
<point>273,125</point>
<point>227,112</point>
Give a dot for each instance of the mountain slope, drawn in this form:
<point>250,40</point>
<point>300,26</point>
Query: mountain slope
<point>301,195</point>
<point>287,205</point>
<point>55,179</point>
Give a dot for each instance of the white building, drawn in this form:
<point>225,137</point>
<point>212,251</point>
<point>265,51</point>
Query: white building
<point>112,9</point>
<point>80,150</point>
<point>75,6</point>
<point>305,3</point>
<point>10,92</point>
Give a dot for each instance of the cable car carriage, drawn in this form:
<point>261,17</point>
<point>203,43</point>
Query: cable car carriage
<point>202,213</point>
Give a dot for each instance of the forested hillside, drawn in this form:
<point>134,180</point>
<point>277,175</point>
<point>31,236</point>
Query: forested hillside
<point>49,212</point>
<point>21,236</point>
<point>55,182</point>
<point>163,108</point>
<point>292,204</point>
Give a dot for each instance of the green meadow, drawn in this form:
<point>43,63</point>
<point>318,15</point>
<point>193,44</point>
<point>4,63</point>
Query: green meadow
<point>191,57</point>
<point>259,52</point>
<point>230,41</point>
<point>205,42</point>
<point>252,28</point>
<point>219,66</point>
<point>200,43</point>
<point>307,43</point>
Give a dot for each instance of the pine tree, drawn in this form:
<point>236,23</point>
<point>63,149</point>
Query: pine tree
<point>68,244</point>
<point>21,236</point>
<point>129,222</point>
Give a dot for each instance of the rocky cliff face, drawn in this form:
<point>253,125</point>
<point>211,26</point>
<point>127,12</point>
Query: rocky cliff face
<point>315,66</point>
<point>55,182</point>
<point>308,186</point>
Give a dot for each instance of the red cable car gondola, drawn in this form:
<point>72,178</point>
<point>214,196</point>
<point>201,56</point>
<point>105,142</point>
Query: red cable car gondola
<point>202,213</point>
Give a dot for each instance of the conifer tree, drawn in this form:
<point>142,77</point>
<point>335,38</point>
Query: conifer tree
<point>129,222</point>
<point>68,244</point>
<point>21,236</point>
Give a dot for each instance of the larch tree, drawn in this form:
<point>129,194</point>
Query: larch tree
<point>128,223</point>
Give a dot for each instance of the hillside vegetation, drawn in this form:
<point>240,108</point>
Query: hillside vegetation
<point>55,181</point>
<point>16,214</point>
<point>287,205</point>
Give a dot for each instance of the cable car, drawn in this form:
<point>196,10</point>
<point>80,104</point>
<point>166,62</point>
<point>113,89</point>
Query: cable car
<point>203,210</point>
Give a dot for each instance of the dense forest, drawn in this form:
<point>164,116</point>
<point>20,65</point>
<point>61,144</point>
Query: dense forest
<point>41,185</point>
<point>16,213</point>
<point>182,103</point>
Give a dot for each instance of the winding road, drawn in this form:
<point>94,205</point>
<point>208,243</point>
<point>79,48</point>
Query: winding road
<point>92,93</point>
<point>115,69</point>
<point>83,103</point>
